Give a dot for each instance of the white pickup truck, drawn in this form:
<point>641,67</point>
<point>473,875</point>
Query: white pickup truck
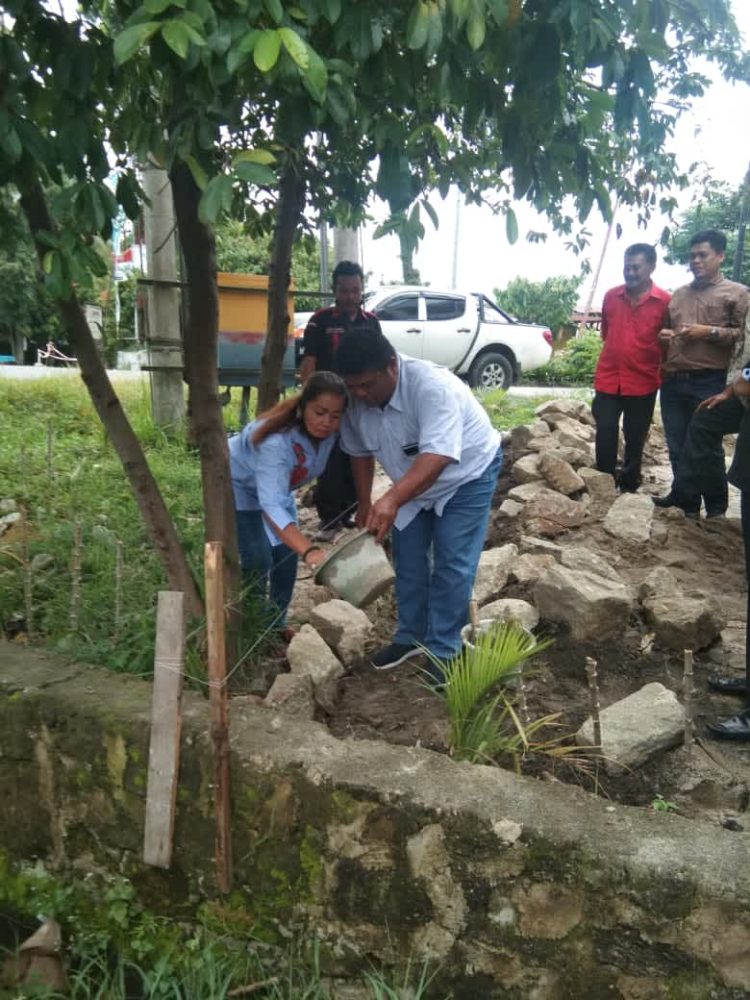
<point>465,331</point>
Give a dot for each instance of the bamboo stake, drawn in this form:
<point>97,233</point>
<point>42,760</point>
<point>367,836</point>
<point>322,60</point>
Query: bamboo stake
<point>28,581</point>
<point>687,692</point>
<point>473,617</point>
<point>118,588</point>
<point>217,693</point>
<point>75,578</point>
<point>594,700</point>
<point>522,702</point>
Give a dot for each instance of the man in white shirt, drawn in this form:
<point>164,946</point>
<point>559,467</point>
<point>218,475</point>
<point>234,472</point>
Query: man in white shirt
<point>436,443</point>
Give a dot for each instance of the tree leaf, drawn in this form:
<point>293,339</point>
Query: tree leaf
<point>419,25</point>
<point>332,10</point>
<point>432,213</point>
<point>255,173</point>
<point>316,77</point>
<point>131,39</point>
<point>217,198</point>
<point>175,34</point>
<point>156,6</point>
<point>476,30</point>
<point>199,174</point>
<point>266,51</point>
<point>511,226</point>
<point>296,47</point>
<point>275,9</point>
<point>460,9</point>
<point>264,156</point>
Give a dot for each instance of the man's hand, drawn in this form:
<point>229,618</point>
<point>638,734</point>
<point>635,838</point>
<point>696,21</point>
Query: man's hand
<point>381,516</point>
<point>712,401</point>
<point>694,331</point>
<point>665,336</point>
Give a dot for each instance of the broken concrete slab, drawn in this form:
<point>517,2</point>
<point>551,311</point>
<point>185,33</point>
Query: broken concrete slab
<point>526,469</point>
<point>528,568</point>
<point>345,628</point>
<point>682,622</point>
<point>510,509</point>
<point>550,513</point>
<point>591,606</point>
<point>292,694</point>
<point>310,655</point>
<point>527,491</point>
<point>600,485</point>
<point>539,546</point>
<point>511,608</point>
<point>553,409</point>
<point>636,728</point>
<point>582,558</point>
<point>492,572</point>
<point>559,474</point>
<point>629,517</point>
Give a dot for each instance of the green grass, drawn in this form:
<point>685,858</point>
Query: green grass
<point>58,466</point>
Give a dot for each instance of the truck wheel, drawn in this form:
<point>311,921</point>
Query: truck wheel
<point>491,371</point>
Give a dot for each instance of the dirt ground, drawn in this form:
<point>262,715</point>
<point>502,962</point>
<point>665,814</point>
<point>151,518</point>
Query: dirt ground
<point>396,705</point>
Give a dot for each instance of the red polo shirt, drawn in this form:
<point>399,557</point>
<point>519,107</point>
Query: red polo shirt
<point>630,362</point>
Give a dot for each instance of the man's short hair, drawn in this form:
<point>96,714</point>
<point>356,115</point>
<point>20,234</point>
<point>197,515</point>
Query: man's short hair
<point>646,249</point>
<point>714,237</point>
<point>363,350</point>
<point>347,269</point>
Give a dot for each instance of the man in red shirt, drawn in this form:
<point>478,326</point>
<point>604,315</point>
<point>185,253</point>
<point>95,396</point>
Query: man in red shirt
<point>627,375</point>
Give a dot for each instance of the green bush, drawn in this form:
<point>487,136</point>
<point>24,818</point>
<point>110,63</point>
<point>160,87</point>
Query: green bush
<point>551,301</point>
<point>573,365</point>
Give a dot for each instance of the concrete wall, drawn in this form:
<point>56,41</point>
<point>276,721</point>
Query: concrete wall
<point>512,888</point>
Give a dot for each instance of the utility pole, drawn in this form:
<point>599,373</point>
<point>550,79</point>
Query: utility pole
<point>163,334</point>
<point>456,232</point>
<point>597,273</point>
<point>739,253</point>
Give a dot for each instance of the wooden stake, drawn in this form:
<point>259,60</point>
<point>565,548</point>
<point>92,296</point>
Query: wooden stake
<point>75,578</point>
<point>166,724</point>
<point>522,702</point>
<point>473,617</point>
<point>594,700</point>
<point>118,591</point>
<point>687,692</point>
<point>217,693</point>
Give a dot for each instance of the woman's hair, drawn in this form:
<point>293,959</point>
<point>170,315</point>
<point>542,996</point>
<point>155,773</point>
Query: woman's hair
<point>288,413</point>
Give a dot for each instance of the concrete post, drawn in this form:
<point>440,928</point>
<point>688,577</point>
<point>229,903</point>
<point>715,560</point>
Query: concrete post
<point>163,333</point>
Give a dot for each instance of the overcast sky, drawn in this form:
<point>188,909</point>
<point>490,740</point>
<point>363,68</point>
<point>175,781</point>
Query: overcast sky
<point>715,131</point>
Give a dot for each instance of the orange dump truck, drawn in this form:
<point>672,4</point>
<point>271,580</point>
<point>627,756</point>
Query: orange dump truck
<point>243,313</point>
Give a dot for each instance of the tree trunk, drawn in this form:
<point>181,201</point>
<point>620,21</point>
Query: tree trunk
<point>153,510</point>
<point>289,210</point>
<point>406,253</point>
<point>200,338</point>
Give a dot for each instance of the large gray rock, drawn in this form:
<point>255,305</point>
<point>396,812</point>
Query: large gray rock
<point>681,622</point>
<point>579,431</point>
<point>600,485</point>
<point>657,581</point>
<point>550,513</point>
<point>521,436</point>
<point>511,608</point>
<point>292,695</point>
<point>526,469</point>
<point>492,572</point>
<point>559,474</point>
<point>629,517</point>
<point>580,558</point>
<point>554,409</point>
<point>528,568</point>
<point>635,729</point>
<point>540,546</point>
<point>527,491</point>
<point>592,606</point>
<point>345,628</point>
<point>575,456</point>
<point>510,509</point>
<point>565,439</point>
<point>310,655</point>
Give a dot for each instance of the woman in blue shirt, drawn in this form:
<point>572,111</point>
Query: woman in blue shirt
<point>273,456</point>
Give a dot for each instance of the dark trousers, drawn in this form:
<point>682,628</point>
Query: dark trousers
<point>636,413</point>
<point>701,472</point>
<point>335,496</point>
<point>679,397</point>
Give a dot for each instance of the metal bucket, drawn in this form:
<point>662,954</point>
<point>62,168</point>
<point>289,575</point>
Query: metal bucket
<point>357,570</point>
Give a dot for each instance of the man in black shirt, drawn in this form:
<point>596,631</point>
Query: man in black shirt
<point>335,497</point>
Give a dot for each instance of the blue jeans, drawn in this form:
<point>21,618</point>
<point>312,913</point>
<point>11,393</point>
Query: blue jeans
<point>678,398</point>
<point>436,560</point>
<point>268,570</point>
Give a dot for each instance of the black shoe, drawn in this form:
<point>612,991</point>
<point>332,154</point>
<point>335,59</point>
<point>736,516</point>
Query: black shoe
<point>393,654</point>
<point>736,727</point>
<point>727,685</point>
<point>667,501</point>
